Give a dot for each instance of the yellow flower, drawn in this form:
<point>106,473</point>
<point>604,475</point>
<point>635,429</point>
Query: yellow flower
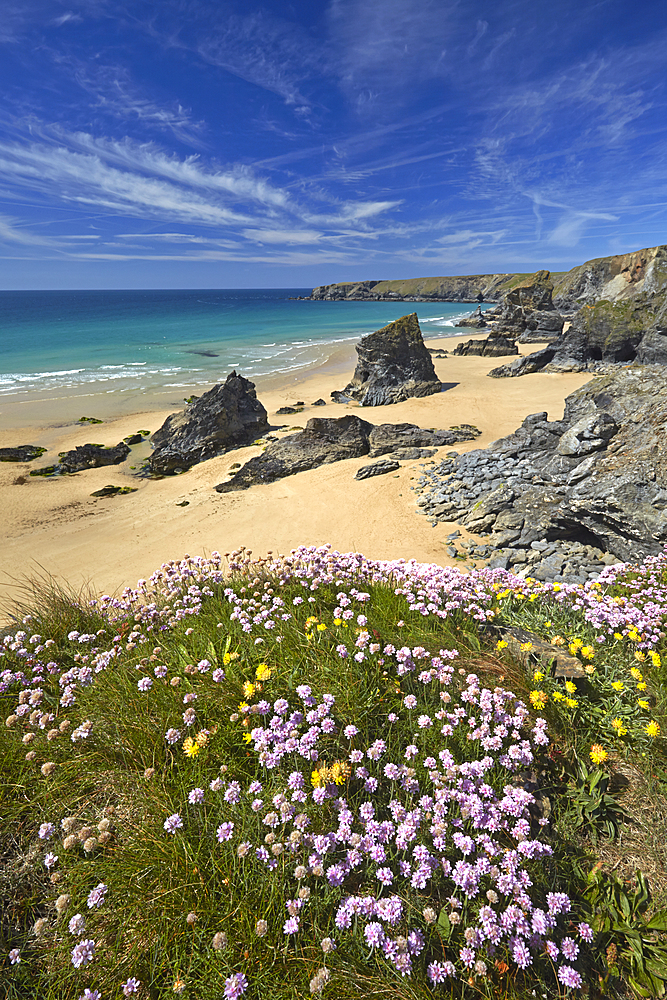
<point>558,640</point>
<point>589,668</point>
<point>339,771</point>
<point>533,597</point>
<point>501,644</point>
<point>226,659</point>
<point>538,699</point>
<point>263,672</point>
<point>639,655</point>
<point>337,621</point>
<point>633,634</point>
<point>588,652</point>
<point>576,643</point>
<point>315,779</point>
<point>570,687</point>
<point>643,704</point>
<point>617,635</point>
<point>525,646</point>
<point>655,658</point>
<point>652,729</point>
<point>321,627</point>
<point>244,706</point>
<point>548,624</point>
<point>556,587</point>
<point>571,702</point>
<point>558,696</point>
<point>248,689</point>
<point>636,673</point>
<point>619,726</point>
<point>538,676</point>
<point>190,747</point>
<point>247,737</point>
<point>642,686</point>
<point>617,685</point>
<point>201,738</point>
<point>598,754</point>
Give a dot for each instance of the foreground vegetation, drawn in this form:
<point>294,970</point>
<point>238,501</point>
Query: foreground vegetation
<point>323,775</point>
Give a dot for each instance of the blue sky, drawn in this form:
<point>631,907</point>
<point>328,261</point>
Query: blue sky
<point>184,143</point>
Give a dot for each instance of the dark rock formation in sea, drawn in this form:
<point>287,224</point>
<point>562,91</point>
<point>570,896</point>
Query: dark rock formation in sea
<point>227,416</point>
<point>327,439</point>
<point>476,320</point>
<point>495,346</point>
<point>580,492</point>
<point>393,365</point>
<point>21,453</point>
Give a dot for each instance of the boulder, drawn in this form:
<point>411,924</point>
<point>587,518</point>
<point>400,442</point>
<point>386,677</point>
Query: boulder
<point>528,305</point>
<point>380,468</point>
<point>393,365</point>
<point>21,453</point>
<point>491,347</point>
<point>386,438</point>
<point>92,456</point>
<point>227,416</point>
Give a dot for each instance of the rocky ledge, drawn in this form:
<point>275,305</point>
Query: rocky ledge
<point>326,440</point>
<point>560,499</point>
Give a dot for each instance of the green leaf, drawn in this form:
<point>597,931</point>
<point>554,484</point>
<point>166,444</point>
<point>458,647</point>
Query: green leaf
<point>658,921</point>
<point>444,924</point>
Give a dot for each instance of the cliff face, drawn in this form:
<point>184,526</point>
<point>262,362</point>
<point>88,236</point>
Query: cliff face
<point>624,276</point>
<point>464,288</point>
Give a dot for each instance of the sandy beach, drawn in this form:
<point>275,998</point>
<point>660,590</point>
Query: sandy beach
<point>53,527</point>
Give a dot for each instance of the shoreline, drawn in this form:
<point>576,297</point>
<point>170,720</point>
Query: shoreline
<point>54,526</point>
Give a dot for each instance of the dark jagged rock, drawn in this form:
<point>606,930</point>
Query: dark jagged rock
<point>622,276</point>
<point>227,416</point>
<point>322,441</point>
<point>21,453</point>
<point>475,320</point>
<point>113,491</point>
<point>326,440</point>
<point>319,402</point>
<point>133,439</point>
<point>286,409</point>
<point>562,498</point>
<point>377,469</point>
<point>528,311</point>
<point>92,456</point>
<point>393,365</point>
<point>491,347</point>
<point>388,438</point>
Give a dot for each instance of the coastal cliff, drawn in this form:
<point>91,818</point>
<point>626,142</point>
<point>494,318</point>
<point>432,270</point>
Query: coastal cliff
<point>462,288</point>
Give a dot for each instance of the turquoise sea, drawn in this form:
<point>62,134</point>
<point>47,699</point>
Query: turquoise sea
<point>53,343</point>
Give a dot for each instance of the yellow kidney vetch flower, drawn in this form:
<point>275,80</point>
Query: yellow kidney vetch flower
<point>598,754</point>
<point>502,644</point>
<point>190,747</point>
<point>538,676</point>
<point>571,702</point>
<point>526,646</point>
<point>538,699</point>
<point>618,685</point>
<point>641,686</point>
<point>652,729</point>
<point>263,672</point>
<point>636,673</point>
<point>619,726</point>
<point>639,655</point>
<point>588,652</point>
<point>643,704</point>
<point>570,687</point>
<point>248,689</point>
<point>655,658</point>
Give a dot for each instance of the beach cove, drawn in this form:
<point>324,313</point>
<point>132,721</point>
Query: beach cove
<point>53,527</point>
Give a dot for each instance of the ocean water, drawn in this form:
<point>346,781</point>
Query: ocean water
<point>55,343</point>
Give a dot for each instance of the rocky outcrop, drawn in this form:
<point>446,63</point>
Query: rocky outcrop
<point>21,453</point>
<point>92,456</point>
<point>462,288</point>
<point>393,365</point>
<point>491,347</point>
<point>476,320</point>
<point>591,486</point>
<point>528,312</point>
<point>630,329</point>
<point>325,440</point>
<point>227,416</point>
<point>380,468</point>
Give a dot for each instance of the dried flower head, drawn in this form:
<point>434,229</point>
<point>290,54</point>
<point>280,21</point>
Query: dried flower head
<point>62,903</point>
<point>40,926</point>
<point>89,844</point>
<point>149,772</point>
<point>48,768</point>
<point>219,941</point>
<point>261,927</point>
<point>191,918</point>
<point>31,754</point>
<point>70,841</point>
